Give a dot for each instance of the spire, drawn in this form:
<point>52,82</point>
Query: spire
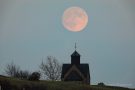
<point>75,53</point>
<point>75,47</point>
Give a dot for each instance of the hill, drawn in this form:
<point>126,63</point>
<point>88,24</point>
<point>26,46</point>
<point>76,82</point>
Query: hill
<point>8,83</point>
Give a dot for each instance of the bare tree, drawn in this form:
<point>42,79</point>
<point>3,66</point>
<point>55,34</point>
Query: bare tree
<point>51,69</point>
<point>12,70</point>
<point>24,74</point>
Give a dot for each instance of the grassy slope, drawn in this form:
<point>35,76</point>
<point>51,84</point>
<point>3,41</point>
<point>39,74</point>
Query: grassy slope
<point>56,85</point>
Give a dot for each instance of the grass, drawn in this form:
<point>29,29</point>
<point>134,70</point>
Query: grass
<point>16,84</point>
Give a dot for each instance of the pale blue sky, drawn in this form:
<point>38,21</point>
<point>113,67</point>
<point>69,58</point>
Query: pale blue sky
<point>32,29</point>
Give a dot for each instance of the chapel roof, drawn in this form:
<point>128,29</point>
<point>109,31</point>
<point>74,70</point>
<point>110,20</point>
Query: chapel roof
<point>83,68</point>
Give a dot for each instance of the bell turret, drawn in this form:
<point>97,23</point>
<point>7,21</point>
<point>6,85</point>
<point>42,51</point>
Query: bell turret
<point>75,57</point>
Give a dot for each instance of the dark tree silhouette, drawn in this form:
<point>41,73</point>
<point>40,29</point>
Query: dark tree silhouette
<point>35,76</point>
<point>101,84</point>
<point>51,69</point>
<point>12,70</point>
<point>23,74</point>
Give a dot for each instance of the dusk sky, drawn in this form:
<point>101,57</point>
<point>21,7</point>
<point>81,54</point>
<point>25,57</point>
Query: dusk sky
<point>31,30</point>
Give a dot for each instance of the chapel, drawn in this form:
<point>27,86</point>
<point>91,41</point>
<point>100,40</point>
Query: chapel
<point>76,71</point>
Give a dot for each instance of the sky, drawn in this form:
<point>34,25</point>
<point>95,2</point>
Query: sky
<point>31,30</point>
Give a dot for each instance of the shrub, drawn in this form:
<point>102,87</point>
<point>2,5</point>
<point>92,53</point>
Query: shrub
<point>35,76</point>
<point>101,84</point>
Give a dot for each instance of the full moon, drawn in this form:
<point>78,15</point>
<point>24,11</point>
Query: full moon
<point>75,19</point>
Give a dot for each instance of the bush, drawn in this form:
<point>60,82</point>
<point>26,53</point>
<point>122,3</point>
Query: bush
<point>101,84</point>
<point>35,76</point>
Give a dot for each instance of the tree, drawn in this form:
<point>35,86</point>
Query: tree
<point>15,71</point>
<point>12,70</point>
<point>23,74</point>
<point>35,76</point>
<point>51,69</point>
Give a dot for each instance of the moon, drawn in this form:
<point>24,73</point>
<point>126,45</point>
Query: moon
<point>75,19</point>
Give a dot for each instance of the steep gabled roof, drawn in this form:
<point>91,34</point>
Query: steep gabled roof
<point>72,70</point>
<point>83,68</point>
